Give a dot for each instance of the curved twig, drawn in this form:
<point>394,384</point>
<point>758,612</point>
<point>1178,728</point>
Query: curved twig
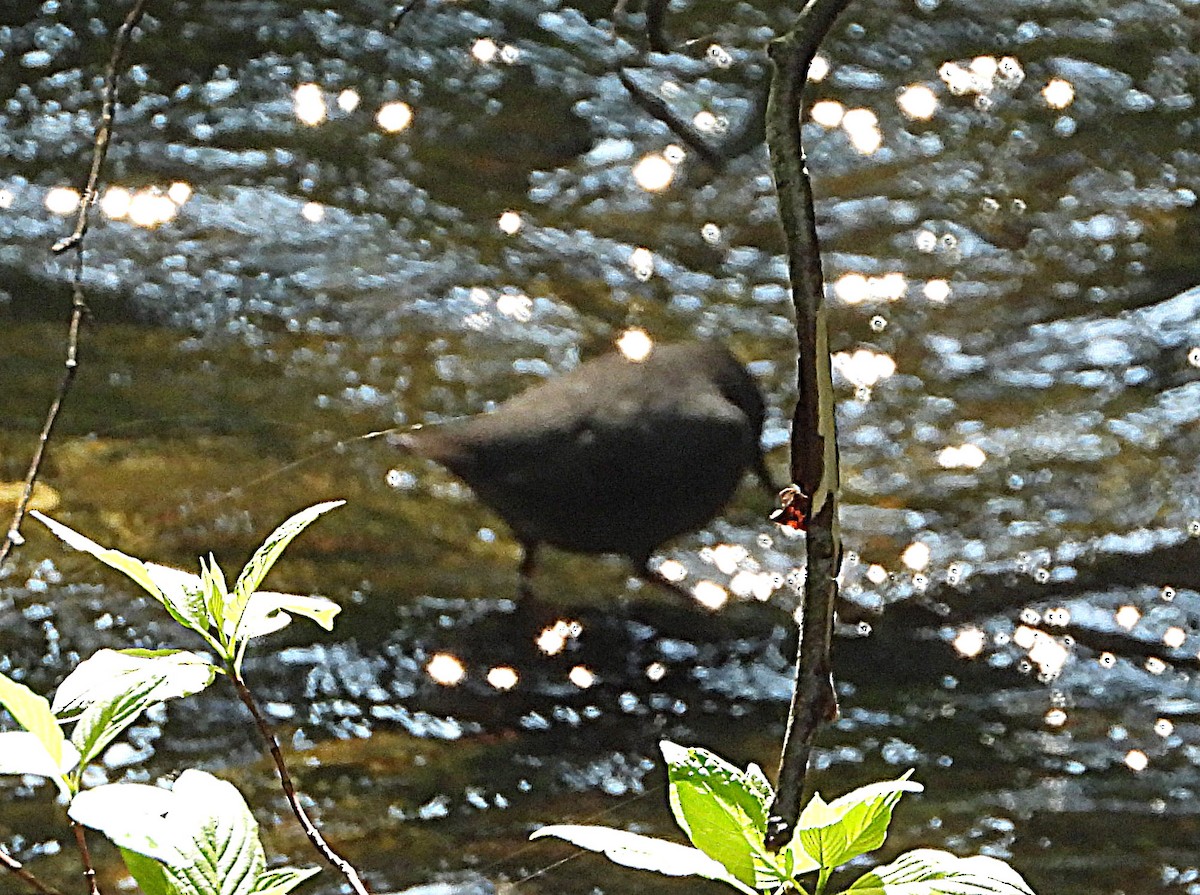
<point>289,789</point>
<point>74,241</point>
<point>15,867</point>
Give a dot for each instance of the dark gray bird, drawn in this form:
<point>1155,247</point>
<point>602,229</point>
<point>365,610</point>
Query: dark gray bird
<point>616,456</point>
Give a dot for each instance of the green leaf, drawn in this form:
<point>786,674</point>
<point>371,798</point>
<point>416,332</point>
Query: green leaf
<point>182,593</point>
<point>644,852</point>
<point>108,691</point>
<point>835,832</point>
<point>719,806</point>
<point>260,563</point>
<point>131,566</point>
<point>102,722</point>
<point>109,673</point>
<point>267,612</point>
<point>282,880</point>
<point>216,594</point>
<point>148,873</point>
<point>201,834</point>
<point>931,872</point>
<point>33,713</point>
<point>22,752</point>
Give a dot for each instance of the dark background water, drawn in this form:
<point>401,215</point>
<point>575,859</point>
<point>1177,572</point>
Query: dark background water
<point>1018,262</point>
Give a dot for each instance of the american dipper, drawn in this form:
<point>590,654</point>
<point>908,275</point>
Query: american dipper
<point>616,456</point>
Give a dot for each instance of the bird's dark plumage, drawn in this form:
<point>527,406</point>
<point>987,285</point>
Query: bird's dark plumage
<point>616,456</point>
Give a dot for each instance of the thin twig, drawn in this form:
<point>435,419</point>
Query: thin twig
<point>89,869</point>
<point>814,465</point>
<point>404,10</point>
<point>18,869</point>
<point>74,241</point>
<point>289,790</point>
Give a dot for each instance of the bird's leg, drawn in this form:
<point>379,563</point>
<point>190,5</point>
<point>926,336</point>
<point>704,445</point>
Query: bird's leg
<point>526,569</point>
<point>532,614</point>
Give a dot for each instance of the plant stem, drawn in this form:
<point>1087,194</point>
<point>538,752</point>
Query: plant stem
<point>89,870</point>
<point>814,431</point>
<point>79,306</point>
<point>289,790</point>
<point>822,879</point>
<point>17,869</point>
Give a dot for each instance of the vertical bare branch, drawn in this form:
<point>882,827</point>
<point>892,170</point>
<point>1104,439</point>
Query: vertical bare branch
<point>289,790</point>
<point>17,869</point>
<point>814,433</point>
<point>74,241</point>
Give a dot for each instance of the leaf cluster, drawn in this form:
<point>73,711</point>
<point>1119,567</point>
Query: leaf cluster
<point>198,838</point>
<point>723,811</point>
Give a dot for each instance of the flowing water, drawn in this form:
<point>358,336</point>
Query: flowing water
<point>315,228</point>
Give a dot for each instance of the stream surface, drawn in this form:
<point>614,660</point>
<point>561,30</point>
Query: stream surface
<point>315,228</point>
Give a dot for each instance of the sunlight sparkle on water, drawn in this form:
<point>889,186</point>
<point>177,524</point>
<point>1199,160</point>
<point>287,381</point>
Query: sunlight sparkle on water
<point>965,456</point>
<point>655,671</point>
<point>1136,760</point>
<point>827,113</point>
<point>635,344</point>
<point>969,642</point>
<point>1058,93</point>
<point>515,306</point>
<point>1174,637</point>
<point>149,208</point>
<point>485,50</point>
<point>641,261</point>
<point>308,102</point>
<point>1055,718</point>
<point>706,122</point>
<point>673,570</point>
<point>1127,617</point>
<point>1043,650</point>
<point>313,212</point>
<point>446,669</point>
<point>937,290</point>
<point>6,198</point>
<point>510,222</point>
<point>864,368</point>
<point>818,69</point>
<point>582,677</point>
<point>862,126</point>
<point>502,677</point>
<point>394,117</point>
<point>653,173</point>
<point>710,595</point>
<point>348,100</point>
<point>759,585</point>
<point>876,574</point>
<point>554,639</point>
<point>179,192</point>
<point>115,203</point>
<point>725,557</point>
<point>62,200</point>
<point>854,288</point>
<point>916,556</point>
<point>918,101</point>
